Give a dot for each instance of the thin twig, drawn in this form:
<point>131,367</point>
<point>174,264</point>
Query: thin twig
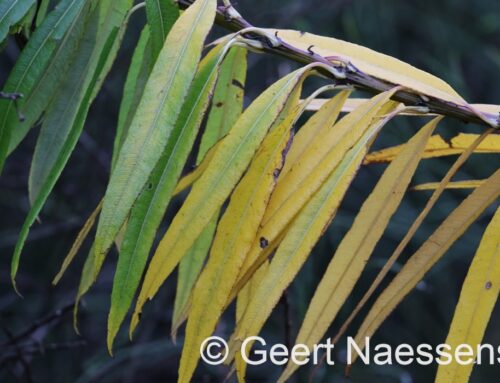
<point>226,18</point>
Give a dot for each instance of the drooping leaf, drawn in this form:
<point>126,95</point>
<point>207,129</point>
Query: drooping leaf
<point>138,73</point>
<point>306,176</point>
<point>227,105</point>
<point>244,298</point>
<point>189,270</point>
<point>227,102</point>
<point>148,211</point>
<point>87,69</point>
<point>82,235</point>
<point>43,8</point>
<point>411,231</point>
<point>37,72</point>
<point>11,11</point>
<point>229,162</point>
<point>317,126</point>
<point>162,15</point>
<point>298,241</point>
<point>235,234</point>
<point>427,255</point>
<point>475,306</point>
<point>437,147</point>
<point>90,53</point>
<point>154,120</point>
<point>357,245</point>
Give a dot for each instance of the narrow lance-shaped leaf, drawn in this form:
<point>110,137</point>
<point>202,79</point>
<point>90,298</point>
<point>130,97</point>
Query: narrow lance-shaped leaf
<point>137,76</point>
<point>469,184</point>
<point>82,235</point>
<point>235,233</point>
<point>306,176</point>
<point>376,64</point>
<point>438,147</point>
<point>244,298</point>
<point>12,11</point>
<point>475,306</point>
<point>86,70</point>
<point>427,255</point>
<point>298,242</point>
<point>357,245</point>
<point>91,53</point>
<point>223,172</point>
<point>161,15</point>
<point>154,120</point>
<point>37,72</point>
<point>227,104</point>
<point>151,204</point>
<point>322,156</point>
<point>317,125</point>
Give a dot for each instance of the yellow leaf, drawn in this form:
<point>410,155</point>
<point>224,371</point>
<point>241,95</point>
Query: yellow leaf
<point>317,126</point>
<point>306,176</point>
<point>469,184</point>
<point>298,242</point>
<point>82,235</point>
<point>427,255</point>
<point>477,300</point>
<point>241,305</point>
<point>373,63</point>
<point>437,147</point>
<point>234,237</point>
<point>228,164</point>
<point>357,246</point>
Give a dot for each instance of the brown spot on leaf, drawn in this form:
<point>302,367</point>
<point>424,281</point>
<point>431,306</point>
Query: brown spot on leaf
<point>488,285</point>
<point>219,104</point>
<point>263,242</point>
<point>237,84</point>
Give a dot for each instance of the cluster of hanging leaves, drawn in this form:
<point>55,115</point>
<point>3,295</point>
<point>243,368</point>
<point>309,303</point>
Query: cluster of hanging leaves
<point>261,195</point>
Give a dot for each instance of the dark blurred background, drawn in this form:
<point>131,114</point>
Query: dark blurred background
<point>453,39</point>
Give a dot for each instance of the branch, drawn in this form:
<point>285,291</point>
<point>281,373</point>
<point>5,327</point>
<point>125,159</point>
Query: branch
<point>228,18</point>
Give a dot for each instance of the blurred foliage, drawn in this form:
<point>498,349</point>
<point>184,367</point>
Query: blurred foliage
<point>456,40</point>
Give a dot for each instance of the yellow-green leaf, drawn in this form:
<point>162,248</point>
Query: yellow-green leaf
<point>475,306</point>
<point>154,120</point>
<point>428,254</point>
<point>357,245</point>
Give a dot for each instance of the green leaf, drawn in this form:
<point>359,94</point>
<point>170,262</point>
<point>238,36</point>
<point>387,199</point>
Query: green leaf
<point>42,12</point>
<point>69,117</point>
<point>86,71</point>
<point>137,76</point>
<point>154,120</point>
<point>12,11</point>
<point>37,72</point>
<point>148,211</point>
<point>161,15</point>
